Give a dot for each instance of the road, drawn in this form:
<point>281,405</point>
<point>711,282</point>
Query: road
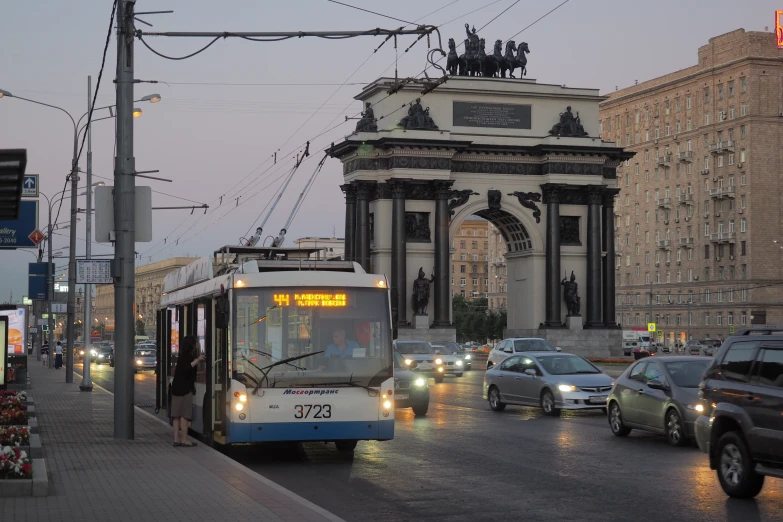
<point>467,463</point>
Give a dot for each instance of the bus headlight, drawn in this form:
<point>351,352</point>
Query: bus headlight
<point>239,406</point>
<point>139,361</point>
<point>243,398</point>
<point>419,382</point>
<point>386,405</point>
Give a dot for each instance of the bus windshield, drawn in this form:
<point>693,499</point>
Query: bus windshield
<point>333,337</point>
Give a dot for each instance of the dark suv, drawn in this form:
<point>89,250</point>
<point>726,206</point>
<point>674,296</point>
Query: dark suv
<point>742,397</point>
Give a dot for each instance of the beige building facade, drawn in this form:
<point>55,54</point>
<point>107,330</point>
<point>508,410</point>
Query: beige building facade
<point>470,251</point>
<point>699,214</point>
<point>149,281</point>
<point>498,271</point>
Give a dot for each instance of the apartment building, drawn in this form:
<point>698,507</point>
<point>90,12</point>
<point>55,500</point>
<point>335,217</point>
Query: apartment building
<point>498,270</point>
<point>699,213</point>
<point>470,276</point>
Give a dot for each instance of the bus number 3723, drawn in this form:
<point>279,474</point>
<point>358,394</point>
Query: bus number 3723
<point>318,411</point>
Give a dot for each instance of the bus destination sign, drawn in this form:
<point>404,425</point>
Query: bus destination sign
<point>311,300</point>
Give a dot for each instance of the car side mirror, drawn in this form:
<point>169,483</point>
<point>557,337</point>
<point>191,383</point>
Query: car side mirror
<point>656,385</point>
<point>558,349</point>
<point>531,372</point>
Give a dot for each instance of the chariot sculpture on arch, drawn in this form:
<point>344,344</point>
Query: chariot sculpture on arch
<point>476,62</point>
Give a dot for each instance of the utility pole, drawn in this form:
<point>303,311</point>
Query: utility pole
<point>50,286</point>
<point>124,204</point>
<point>86,384</point>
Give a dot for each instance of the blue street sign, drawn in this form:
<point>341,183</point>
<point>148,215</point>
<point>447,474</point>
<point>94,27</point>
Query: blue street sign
<point>36,282</point>
<point>16,233</point>
<point>30,186</point>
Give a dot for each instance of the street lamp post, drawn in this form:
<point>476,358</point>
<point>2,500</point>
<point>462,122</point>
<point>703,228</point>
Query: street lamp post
<point>74,178</point>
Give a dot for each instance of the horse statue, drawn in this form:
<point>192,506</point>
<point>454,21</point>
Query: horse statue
<point>508,60</point>
<point>497,54</point>
<point>489,65</point>
<point>453,63</point>
<point>521,59</point>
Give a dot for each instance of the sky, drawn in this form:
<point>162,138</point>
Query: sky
<point>226,111</point>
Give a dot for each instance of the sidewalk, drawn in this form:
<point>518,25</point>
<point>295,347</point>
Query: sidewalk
<point>94,477</point>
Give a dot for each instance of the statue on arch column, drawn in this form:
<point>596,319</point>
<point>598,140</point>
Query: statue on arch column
<point>421,292</point>
<point>571,295</point>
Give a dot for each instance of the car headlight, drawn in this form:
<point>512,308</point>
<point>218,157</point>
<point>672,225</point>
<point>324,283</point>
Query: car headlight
<point>408,362</point>
<point>566,388</point>
<point>81,352</point>
<point>439,361</point>
<point>420,382</point>
<point>100,356</point>
<point>467,357</point>
<point>139,361</point>
<point>459,363</point>
<point>696,407</point>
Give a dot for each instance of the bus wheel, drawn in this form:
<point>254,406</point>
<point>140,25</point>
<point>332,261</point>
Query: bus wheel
<point>346,445</point>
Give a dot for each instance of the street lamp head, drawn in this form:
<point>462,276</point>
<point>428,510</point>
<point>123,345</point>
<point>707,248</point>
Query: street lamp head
<point>5,93</point>
<point>152,98</point>
<point>137,112</point>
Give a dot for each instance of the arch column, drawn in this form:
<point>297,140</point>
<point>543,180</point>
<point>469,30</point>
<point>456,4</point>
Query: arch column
<point>350,221</point>
<point>595,195</point>
<point>362,254</point>
<point>442,257</point>
<point>552,195</point>
<point>399,265</point>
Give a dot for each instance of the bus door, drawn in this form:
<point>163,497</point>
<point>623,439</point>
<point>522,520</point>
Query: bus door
<point>218,326</point>
<point>163,356</point>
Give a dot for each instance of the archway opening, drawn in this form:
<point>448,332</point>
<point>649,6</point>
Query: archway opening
<point>480,273</point>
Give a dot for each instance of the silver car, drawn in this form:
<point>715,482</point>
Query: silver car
<point>660,395</point>
<point>144,359</point>
<point>554,381</point>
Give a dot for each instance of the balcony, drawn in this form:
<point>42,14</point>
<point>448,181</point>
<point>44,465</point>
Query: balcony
<point>721,147</point>
<point>665,244</point>
<point>704,172</point>
<point>686,242</point>
<point>665,202</point>
<point>685,199</point>
<point>686,156</point>
<point>723,237</point>
<point>722,192</point>
<point>665,160</point>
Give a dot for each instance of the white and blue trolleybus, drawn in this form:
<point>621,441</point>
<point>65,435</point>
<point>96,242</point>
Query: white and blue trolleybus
<point>297,348</point>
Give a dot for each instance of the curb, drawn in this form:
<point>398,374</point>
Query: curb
<point>274,485</point>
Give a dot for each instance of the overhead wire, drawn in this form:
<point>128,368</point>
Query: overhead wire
<point>371,12</point>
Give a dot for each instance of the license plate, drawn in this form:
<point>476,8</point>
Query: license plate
<point>598,399</point>
<point>313,411</point>
<point>401,396</point>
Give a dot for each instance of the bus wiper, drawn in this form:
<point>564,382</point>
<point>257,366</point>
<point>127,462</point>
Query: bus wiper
<point>282,361</point>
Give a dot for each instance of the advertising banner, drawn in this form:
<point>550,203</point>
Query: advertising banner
<point>3,354</point>
<point>16,233</point>
<point>17,331</point>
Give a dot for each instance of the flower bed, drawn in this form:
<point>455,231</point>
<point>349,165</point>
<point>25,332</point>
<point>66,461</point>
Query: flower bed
<point>15,464</point>
<point>13,408</point>
<point>15,436</point>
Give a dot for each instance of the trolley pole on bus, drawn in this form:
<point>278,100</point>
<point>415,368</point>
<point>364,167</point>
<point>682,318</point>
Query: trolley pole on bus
<point>124,252</point>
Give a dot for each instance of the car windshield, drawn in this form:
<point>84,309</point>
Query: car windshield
<point>566,365</point>
<point>411,348</point>
<point>687,374</point>
<point>105,349</point>
<point>312,336</point>
<point>145,353</point>
<point>532,345</point>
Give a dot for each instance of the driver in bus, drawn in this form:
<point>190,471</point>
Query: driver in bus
<point>341,347</point>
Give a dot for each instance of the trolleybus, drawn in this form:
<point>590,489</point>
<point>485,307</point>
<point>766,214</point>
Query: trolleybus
<point>296,349</point>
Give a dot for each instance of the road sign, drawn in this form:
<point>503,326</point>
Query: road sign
<point>650,327</point>
<point>104,214</point>
<point>93,272</point>
<point>16,233</point>
<point>30,186</point>
<point>36,281</point>
<point>60,308</point>
<point>731,330</point>
<point>36,236</point>
<point>33,330</point>
<point>45,327</point>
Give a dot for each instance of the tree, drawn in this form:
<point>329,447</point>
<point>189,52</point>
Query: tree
<point>140,328</point>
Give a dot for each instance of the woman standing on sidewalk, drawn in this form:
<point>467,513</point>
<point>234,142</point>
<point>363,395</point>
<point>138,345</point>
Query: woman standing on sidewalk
<point>183,386</point>
<point>58,355</point>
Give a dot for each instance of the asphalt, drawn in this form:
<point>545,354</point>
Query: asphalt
<point>467,463</point>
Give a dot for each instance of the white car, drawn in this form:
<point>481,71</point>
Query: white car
<point>426,361</point>
<point>453,364</point>
<point>508,347</point>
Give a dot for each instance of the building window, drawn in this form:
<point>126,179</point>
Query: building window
<point>706,118</point>
<point>475,281</point>
<point>706,230</point>
<point>719,318</point>
<point>742,131</point>
<point>462,244</point>
<point>677,128</point>
<point>706,95</point>
<point>462,269</point>
<point>731,158</point>
<point>742,248</point>
<point>462,281</point>
<point>706,319</point>
<point>744,109</point>
<point>743,225</point>
<point>667,128</point>
<point>743,156</point>
<point>731,112</point>
<point>743,179</point>
<point>687,102</point>
<point>474,244</point>
<point>743,84</point>
<point>743,319</point>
